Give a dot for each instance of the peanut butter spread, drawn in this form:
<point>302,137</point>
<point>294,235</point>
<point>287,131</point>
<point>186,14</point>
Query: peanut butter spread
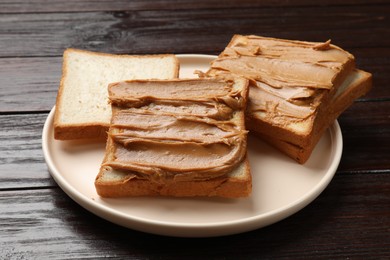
<point>287,77</point>
<point>180,129</point>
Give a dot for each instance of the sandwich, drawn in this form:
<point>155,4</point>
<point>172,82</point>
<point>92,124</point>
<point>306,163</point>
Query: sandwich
<point>82,108</point>
<point>297,88</point>
<point>182,137</point>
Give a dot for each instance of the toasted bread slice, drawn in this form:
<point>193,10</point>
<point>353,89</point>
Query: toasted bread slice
<point>82,108</point>
<point>160,143</point>
<point>357,84</point>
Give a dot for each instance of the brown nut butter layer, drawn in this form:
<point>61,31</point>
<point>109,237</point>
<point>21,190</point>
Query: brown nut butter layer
<point>178,129</point>
<point>288,78</point>
<point>188,90</point>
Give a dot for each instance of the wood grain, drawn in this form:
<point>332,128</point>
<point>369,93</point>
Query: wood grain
<point>21,159</point>
<point>47,224</point>
<point>29,84</point>
<point>366,136</point>
<point>188,30</point>
<point>28,6</point>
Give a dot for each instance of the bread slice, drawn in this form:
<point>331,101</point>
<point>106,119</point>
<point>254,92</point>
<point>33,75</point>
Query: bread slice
<point>111,183</point>
<point>176,138</point>
<point>356,85</point>
<point>280,70</point>
<point>292,84</point>
<point>82,108</point>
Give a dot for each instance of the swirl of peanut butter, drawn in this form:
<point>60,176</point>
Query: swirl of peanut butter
<point>201,91</point>
<point>287,77</point>
<point>185,130</point>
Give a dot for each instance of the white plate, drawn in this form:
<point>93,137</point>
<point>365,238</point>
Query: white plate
<point>281,186</point>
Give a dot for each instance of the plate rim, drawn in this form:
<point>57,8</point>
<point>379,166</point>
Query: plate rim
<point>194,229</point>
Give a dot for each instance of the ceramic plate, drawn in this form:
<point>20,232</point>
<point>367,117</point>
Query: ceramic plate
<point>281,186</point>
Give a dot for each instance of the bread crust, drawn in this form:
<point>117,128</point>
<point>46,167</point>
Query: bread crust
<point>89,130</point>
<point>227,187</point>
<point>80,131</point>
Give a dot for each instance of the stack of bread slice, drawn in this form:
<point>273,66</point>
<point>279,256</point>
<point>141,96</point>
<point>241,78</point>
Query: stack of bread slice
<point>297,88</point>
<point>183,137</point>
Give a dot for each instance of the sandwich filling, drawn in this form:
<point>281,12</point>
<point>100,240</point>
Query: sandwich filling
<point>179,129</point>
<point>288,78</point>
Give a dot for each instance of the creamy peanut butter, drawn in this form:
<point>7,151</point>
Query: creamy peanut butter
<point>183,129</point>
<point>287,77</point>
<point>193,90</point>
<point>212,109</point>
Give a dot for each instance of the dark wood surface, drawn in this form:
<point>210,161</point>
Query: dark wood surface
<point>349,220</point>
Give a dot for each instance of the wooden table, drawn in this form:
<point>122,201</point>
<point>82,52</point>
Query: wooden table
<point>350,219</point>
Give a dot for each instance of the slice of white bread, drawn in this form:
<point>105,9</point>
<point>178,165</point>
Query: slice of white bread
<point>118,182</point>
<point>356,85</point>
<point>82,108</point>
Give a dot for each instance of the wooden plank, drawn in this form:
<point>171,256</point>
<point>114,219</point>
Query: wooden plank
<point>29,84</point>
<point>21,158</point>
<point>340,223</point>
<point>29,6</point>
<point>184,31</point>
<point>366,137</point>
